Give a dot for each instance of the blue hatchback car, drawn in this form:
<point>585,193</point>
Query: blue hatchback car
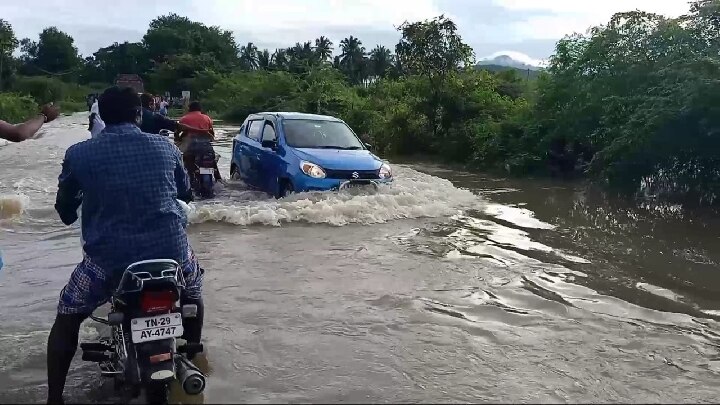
<point>284,152</point>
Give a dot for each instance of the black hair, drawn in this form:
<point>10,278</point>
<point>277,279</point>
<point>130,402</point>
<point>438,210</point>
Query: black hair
<point>146,99</point>
<point>194,106</point>
<point>119,105</point>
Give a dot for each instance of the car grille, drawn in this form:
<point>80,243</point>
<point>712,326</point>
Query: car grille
<point>348,174</point>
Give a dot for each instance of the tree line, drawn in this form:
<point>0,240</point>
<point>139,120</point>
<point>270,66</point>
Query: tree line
<point>632,103</point>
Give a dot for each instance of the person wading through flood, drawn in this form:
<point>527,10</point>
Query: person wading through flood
<point>193,143</point>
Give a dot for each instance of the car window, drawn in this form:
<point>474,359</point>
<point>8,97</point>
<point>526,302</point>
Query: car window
<point>269,133</point>
<point>254,130</point>
<point>319,134</point>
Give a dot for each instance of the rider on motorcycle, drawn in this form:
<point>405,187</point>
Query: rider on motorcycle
<point>194,142</point>
<point>128,183</point>
<point>152,122</point>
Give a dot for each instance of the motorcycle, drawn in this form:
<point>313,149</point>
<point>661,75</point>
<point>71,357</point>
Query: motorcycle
<point>202,170</point>
<point>142,352</point>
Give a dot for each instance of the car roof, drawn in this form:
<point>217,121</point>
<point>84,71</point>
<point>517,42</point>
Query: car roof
<point>299,116</point>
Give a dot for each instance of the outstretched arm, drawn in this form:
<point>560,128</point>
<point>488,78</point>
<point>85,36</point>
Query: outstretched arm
<point>21,132</point>
<point>26,130</point>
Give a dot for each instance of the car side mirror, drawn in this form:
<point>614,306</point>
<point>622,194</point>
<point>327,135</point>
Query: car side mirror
<point>368,145</point>
<point>269,144</point>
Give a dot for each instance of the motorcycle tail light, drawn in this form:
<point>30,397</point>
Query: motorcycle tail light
<point>157,301</point>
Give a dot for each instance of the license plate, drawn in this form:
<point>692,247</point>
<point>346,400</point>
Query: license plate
<point>206,170</point>
<point>156,327</point>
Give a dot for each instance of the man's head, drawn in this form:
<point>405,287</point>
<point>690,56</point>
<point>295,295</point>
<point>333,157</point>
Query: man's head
<point>119,106</point>
<point>148,101</point>
<point>194,106</point>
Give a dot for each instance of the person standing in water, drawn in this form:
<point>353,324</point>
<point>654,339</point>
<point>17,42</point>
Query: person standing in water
<point>96,123</point>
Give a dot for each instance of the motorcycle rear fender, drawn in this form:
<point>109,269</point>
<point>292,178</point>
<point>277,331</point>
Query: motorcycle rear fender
<point>144,351</point>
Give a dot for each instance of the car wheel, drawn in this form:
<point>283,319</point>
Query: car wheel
<point>234,173</point>
<point>286,188</point>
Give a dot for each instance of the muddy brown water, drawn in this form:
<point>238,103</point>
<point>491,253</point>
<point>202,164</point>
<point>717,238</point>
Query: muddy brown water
<point>444,287</point>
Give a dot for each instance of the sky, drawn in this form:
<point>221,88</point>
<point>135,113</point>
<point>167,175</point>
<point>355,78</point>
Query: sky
<point>525,29</point>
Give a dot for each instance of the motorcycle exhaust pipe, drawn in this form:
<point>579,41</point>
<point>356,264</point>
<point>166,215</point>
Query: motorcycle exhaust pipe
<point>191,379</point>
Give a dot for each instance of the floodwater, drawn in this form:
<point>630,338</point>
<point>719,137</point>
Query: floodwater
<point>443,287</point>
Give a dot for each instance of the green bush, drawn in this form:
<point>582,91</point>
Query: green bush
<point>50,89</point>
<point>16,108</point>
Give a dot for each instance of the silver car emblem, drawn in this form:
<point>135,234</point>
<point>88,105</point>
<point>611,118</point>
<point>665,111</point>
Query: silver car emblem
<point>355,175</point>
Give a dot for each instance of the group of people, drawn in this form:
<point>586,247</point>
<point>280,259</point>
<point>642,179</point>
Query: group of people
<point>129,180</point>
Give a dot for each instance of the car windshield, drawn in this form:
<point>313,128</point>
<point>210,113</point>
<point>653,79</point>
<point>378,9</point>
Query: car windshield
<point>320,134</point>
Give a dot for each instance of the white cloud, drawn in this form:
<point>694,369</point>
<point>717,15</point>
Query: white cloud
<point>567,16</point>
<point>282,14</point>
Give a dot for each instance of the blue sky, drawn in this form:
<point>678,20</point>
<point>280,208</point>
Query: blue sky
<point>529,28</point>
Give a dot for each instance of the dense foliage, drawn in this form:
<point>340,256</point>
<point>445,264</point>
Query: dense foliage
<point>634,103</point>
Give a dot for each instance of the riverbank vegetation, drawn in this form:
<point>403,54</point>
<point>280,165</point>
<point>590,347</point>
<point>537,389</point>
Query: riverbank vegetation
<point>634,103</point>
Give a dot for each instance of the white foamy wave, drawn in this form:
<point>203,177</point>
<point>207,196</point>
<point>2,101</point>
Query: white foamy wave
<point>13,206</point>
<point>412,195</point>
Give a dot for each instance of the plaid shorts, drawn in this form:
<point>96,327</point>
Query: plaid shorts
<point>90,286</point>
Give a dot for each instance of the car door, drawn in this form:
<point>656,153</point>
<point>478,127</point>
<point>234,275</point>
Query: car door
<point>271,164</point>
<point>250,153</point>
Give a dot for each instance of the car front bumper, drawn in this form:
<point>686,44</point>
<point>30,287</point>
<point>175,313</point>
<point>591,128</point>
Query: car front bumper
<point>306,183</point>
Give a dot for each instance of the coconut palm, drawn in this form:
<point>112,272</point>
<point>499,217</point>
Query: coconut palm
<point>264,59</point>
<point>249,56</point>
<point>279,60</point>
<point>352,59</point>
<point>381,61</point>
<point>323,48</point>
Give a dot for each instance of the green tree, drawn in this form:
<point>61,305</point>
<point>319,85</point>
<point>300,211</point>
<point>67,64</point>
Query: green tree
<point>323,48</point>
<point>54,53</point>
<point>172,35</point>
<point>381,61</point>
<point>108,62</point>
<point>434,50</point>
<point>264,60</point>
<point>279,60</point>
<point>353,59</point>
<point>8,44</point>
<point>249,56</point>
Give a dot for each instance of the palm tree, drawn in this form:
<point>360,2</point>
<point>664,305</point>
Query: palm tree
<point>279,59</point>
<point>352,59</point>
<point>323,48</point>
<point>381,61</point>
<point>264,59</point>
<point>249,56</point>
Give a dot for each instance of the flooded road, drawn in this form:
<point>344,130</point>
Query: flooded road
<point>443,287</point>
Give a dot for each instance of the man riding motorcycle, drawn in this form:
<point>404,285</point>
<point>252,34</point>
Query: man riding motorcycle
<point>128,183</point>
<point>194,142</point>
<point>152,122</point>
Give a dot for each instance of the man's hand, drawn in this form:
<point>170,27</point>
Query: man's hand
<point>50,111</point>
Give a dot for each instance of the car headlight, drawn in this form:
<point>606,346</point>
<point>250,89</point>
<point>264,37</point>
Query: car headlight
<point>312,170</point>
<point>385,171</point>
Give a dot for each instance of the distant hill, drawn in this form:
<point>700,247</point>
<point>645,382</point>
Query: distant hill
<point>506,60</point>
<point>524,73</point>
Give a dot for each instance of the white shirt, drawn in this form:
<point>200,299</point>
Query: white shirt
<point>98,124</point>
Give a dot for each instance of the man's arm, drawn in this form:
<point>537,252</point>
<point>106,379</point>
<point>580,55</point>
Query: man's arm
<point>26,130</point>
<point>69,195</point>
<point>182,181</point>
<point>21,132</point>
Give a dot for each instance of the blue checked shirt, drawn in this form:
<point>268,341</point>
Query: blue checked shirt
<point>128,182</point>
